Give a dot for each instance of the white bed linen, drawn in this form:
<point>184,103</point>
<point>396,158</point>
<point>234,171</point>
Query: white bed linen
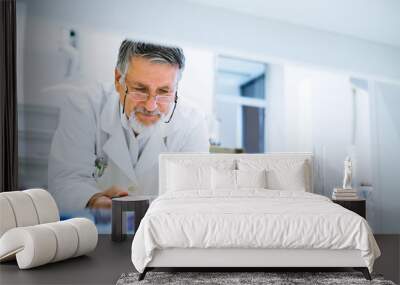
<point>251,218</point>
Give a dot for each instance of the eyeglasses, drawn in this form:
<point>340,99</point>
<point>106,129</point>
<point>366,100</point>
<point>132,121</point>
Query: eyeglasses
<point>142,97</point>
<point>160,99</point>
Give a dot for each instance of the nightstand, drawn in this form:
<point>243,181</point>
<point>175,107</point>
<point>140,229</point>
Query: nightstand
<point>137,204</point>
<point>357,206</point>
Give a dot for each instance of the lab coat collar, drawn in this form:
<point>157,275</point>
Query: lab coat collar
<point>116,147</point>
<point>109,115</point>
<point>168,129</point>
<point>158,142</point>
<point>153,148</point>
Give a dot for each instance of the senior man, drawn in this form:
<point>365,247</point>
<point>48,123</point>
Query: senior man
<point>108,139</point>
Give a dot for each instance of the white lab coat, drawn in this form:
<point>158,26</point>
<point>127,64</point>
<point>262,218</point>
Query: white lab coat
<point>90,119</point>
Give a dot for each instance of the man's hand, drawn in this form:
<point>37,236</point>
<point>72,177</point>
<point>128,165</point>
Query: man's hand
<point>102,200</point>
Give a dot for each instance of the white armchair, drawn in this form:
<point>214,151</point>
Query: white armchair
<point>31,231</point>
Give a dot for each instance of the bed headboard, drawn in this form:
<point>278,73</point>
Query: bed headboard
<point>234,159</point>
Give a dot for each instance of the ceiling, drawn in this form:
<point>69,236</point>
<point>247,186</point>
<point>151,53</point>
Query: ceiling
<point>373,20</point>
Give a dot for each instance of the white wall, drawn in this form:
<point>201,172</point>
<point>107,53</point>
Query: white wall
<point>386,157</point>
<point>275,111</point>
<point>102,24</point>
<point>362,143</point>
<point>295,118</point>
<point>45,69</point>
<point>98,49</point>
<point>316,111</point>
<point>318,119</point>
<point>202,26</point>
<point>313,112</point>
<point>197,84</point>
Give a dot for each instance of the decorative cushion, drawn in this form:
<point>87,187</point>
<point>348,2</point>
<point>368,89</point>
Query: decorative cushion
<point>7,220</point>
<point>37,245</point>
<point>45,206</point>
<point>87,235</point>
<point>23,209</point>
<point>26,208</point>
<point>67,237</point>
<point>31,232</point>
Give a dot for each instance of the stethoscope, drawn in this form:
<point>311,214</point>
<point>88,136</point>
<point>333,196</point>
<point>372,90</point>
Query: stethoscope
<point>100,163</point>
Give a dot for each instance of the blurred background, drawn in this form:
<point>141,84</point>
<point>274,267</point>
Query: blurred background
<point>270,76</point>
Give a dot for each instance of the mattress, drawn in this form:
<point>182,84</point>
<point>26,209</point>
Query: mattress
<point>250,219</point>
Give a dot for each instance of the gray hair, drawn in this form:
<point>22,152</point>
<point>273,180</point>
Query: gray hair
<point>153,52</point>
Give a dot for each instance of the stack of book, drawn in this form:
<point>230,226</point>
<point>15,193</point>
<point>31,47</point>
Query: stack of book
<point>344,194</point>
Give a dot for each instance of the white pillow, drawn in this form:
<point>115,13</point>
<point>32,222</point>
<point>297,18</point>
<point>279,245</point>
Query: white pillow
<point>251,178</point>
<point>226,179</point>
<point>282,174</point>
<point>223,179</point>
<point>188,177</point>
<point>287,178</point>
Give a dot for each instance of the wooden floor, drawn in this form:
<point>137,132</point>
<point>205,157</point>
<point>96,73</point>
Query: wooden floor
<point>110,260</point>
<point>389,262</point>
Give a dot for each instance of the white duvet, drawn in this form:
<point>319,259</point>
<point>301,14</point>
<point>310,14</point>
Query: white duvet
<point>250,219</point>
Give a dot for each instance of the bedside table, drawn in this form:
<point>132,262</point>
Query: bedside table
<point>137,204</point>
<point>357,206</point>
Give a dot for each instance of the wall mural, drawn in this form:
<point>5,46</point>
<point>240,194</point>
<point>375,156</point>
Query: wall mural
<point>93,119</point>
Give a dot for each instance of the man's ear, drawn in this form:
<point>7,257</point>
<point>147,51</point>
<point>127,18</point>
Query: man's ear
<point>117,78</point>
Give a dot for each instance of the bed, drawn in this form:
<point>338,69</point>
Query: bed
<point>245,211</point>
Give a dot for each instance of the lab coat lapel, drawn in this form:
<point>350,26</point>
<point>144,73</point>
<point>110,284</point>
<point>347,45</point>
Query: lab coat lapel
<point>158,143</point>
<point>155,146</point>
<point>115,147</point>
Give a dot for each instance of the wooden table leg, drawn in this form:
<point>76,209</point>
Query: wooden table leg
<point>140,210</point>
<point>116,225</point>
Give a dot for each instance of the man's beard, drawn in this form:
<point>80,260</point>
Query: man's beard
<point>140,128</point>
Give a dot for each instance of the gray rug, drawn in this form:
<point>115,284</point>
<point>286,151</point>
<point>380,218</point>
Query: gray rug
<point>228,278</point>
